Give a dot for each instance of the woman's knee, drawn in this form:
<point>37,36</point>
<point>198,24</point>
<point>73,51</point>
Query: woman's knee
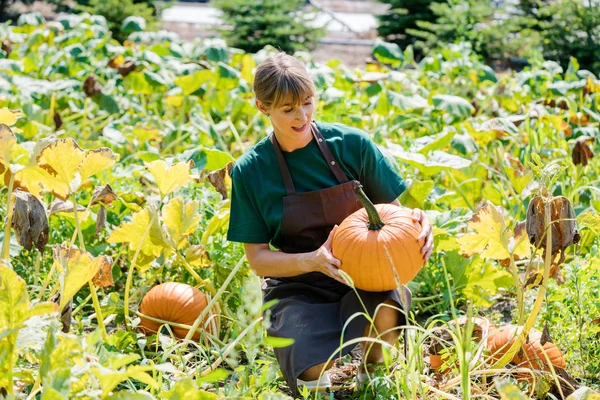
<point>314,372</point>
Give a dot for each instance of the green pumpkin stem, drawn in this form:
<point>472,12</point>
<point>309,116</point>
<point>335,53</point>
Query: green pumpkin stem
<point>375,222</point>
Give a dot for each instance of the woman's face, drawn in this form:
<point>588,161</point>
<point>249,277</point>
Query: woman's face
<point>291,122</point>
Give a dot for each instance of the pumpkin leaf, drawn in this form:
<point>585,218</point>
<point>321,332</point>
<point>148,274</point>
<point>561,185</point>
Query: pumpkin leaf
<point>190,83</point>
<point>416,194</point>
<point>168,178</point>
<point>96,161</point>
<point>180,219</point>
<point>109,379</point>
<point>196,256</point>
<point>490,238</point>
<point>457,107</point>
<point>216,223</point>
<point>432,164</point>
<point>62,159</point>
<point>133,232</point>
<point>388,53</point>
<point>35,180</point>
<point>9,117</point>
<point>77,267</point>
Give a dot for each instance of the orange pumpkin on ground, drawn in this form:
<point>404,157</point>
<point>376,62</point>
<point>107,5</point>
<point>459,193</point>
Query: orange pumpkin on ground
<point>365,238</point>
<point>179,303</point>
<point>500,339</point>
<point>532,355</point>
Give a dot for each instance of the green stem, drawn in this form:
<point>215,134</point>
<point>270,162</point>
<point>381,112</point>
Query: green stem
<point>129,281</point>
<point>214,300</point>
<point>375,222</point>
<point>520,301</point>
<point>98,310</point>
<point>524,334</point>
<point>9,213</point>
<point>95,301</point>
<point>203,282</point>
<point>81,305</point>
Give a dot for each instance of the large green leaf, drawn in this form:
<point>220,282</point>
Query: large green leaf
<point>457,107</point>
<point>388,53</point>
<point>434,163</point>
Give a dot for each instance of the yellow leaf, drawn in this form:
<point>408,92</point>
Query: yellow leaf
<point>180,219</point>
<point>35,180</point>
<point>78,267</point>
<point>169,179</point>
<point>133,232</point>
<point>248,65</point>
<point>62,159</point>
<point>145,134</point>
<point>216,223</point>
<point>197,257</point>
<point>10,151</point>
<point>96,161</point>
<point>490,238</point>
<point>9,117</point>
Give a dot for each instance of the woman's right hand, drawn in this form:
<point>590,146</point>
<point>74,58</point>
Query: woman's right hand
<point>322,260</point>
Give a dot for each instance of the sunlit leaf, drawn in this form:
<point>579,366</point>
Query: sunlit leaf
<point>168,178</point>
<point>190,83</point>
<point>415,195</point>
<point>133,232</point>
<point>484,279</point>
<point>433,163</point>
<point>109,379</point>
<point>9,117</point>
<point>181,219</point>
<point>62,159</point>
<point>96,161</point>
<point>490,238</point>
<point>78,267</point>
<point>35,180</point>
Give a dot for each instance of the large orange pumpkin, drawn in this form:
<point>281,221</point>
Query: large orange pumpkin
<point>365,238</point>
<point>179,303</point>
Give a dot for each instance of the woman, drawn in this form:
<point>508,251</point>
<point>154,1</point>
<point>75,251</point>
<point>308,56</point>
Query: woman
<point>290,191</point>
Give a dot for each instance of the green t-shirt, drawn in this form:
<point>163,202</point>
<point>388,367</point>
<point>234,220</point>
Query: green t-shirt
<point>258,188</point>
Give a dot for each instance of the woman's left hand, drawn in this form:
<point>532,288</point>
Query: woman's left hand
<point>426,236</point>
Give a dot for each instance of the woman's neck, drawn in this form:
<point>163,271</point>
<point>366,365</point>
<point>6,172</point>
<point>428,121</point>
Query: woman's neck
<point>290,143</point>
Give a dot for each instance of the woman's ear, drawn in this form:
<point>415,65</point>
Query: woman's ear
<point>261,107</point>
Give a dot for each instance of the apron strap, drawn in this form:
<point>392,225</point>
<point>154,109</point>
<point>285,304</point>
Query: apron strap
<point>325,151</point>
<point>334,166</point>
<point>285,172</point>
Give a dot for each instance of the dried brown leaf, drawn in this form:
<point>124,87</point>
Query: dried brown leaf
<point>65,313</point>
<point>91,86</point>
<point>582,152</point>
<point>30,221</point>
<point>58,121</point>
<point>104,277</point>
<point>546,335</point>
<point>63,206</point>
<point>126,68</point>
<point>217,179</point>
<point>103,194</point>
<point>100,220</point>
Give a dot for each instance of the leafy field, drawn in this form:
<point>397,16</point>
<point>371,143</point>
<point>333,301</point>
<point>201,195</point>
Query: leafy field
<point>127,149</point>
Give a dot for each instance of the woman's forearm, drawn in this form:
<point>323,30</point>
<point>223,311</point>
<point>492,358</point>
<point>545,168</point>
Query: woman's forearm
<point>267,262</point>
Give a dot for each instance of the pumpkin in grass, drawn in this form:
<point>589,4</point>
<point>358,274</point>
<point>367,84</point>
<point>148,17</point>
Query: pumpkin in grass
<point>179,303</point>
<point>378,245</point>
<point>533,355</point>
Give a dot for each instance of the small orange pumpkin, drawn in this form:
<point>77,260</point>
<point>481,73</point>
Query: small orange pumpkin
<point>378,245</point>
<point>179,303</point>
<point>532,355</point>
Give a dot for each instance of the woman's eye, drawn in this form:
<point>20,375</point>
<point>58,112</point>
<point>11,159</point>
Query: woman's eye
<point>288,111</point>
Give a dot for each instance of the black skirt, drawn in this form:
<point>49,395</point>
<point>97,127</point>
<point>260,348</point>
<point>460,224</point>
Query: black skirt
<point>313,309</point>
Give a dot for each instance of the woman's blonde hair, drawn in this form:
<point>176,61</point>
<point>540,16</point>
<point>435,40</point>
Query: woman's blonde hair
<point>280,79</point>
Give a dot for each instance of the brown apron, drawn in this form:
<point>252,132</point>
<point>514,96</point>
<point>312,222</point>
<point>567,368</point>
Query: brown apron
<point>312,307</point>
